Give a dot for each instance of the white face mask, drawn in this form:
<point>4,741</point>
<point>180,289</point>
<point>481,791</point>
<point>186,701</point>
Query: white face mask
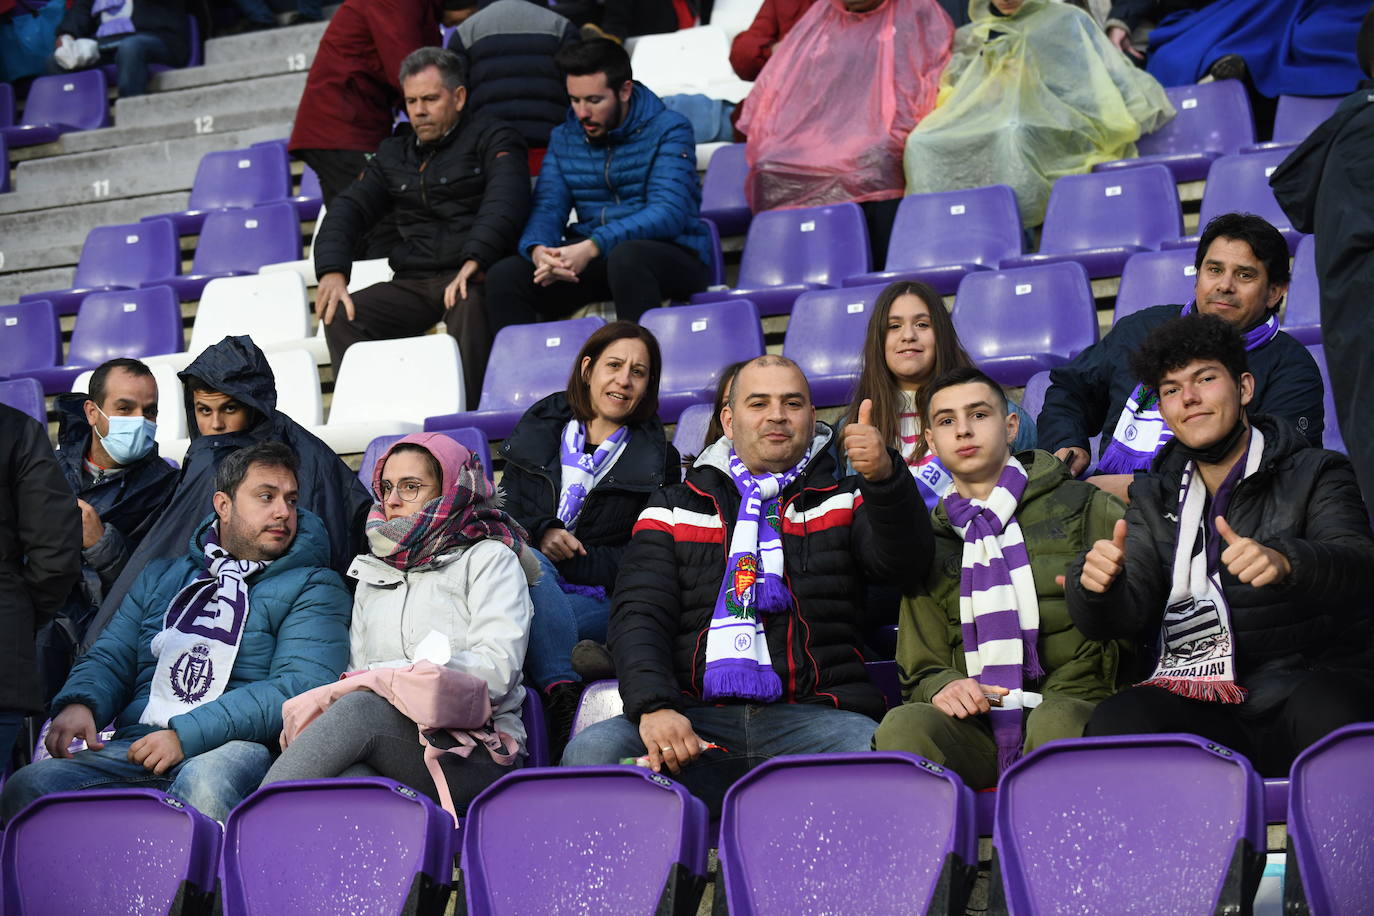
<point>129,438</point>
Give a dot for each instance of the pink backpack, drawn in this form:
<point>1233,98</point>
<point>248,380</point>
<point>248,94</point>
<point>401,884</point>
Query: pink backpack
<point>432,696</point>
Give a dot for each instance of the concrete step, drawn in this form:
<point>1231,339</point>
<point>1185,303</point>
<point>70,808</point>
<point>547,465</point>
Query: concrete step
<point>25,259</point>
<point>213,101</point>
<point>12,286</point>
<point>115,137</point>
<point>231,71</point>
<point>69,225</point>
<point>269,44</point>
<point>136,171</point>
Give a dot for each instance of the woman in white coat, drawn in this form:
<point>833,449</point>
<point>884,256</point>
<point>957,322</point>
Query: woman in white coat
<point>448,575</point>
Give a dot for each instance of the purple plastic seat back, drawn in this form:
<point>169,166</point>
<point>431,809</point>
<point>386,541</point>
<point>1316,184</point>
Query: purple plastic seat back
<point>689,436</point>
<point>820,245</point>
<point>536,729</point>
<point>717,276</point>
<point>78,99</point>
<point>1299,115</point>
<point>975,226</point>
<point>241,178</point>
<point>25,395</point>
<point>887,677</point>
<point>722,190</point>
<point>132,322</point>
<point>109,851</point>
<point>791,842</point>
<point>1127,208</point>
<point>1302,316</point>
<point>1033,398</point>
<point>1211,117</point>
<point>128,255</point>
<point>333,846</point>
<point>1015,323</point>
<point>29,337</point>
<point>1330,805</point>
<point>606,840</point>
<point>1331,432</point>
<point>1155,278</point>
<point>600,701</point>
<point>474,440</point>
<point>4,163</point>
<point>698,342</point>
<point>244,240</point>
<point>1240,184</point>
<point>825,336</point>
<point>1168,823</point>
<point>6,105</point>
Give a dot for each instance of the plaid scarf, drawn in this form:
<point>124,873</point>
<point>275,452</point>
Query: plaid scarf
<point>199,641</point>
<point>468,510</point>
<point>582,472</point>
<point>999,613</point>
<point>1140,431</point>
<point>737,660</point>
<point>1197,656</point>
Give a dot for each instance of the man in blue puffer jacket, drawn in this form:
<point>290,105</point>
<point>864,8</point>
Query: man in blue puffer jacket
<point>628,166</point>
<point>205,648</point>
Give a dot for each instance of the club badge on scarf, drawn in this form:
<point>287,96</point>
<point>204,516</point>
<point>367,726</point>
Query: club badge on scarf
<point>202,629</point>
<point>582,472</point>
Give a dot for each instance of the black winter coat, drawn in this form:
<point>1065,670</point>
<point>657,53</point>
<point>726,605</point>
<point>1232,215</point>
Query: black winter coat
<point>40,551</point>
<point>837,535</point>
<point>464,197</point>
<point>533,480</point>
<point>1302,502</point>
<point>164,18</point>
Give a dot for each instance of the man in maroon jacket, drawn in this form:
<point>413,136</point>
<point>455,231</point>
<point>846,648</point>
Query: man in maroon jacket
<point>752,47</point>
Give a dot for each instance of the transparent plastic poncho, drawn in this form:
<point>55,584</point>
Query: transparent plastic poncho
<point>1027,98</point>
<point>828,115</point>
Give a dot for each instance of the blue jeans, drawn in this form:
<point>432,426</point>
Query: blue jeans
<point>212,782</point>
<point>131,58</point>
<point>749,735</point>
<point>560,620</point>
<point>10,723</point>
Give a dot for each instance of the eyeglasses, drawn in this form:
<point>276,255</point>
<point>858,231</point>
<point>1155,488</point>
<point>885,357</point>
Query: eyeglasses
<point>409,490</point>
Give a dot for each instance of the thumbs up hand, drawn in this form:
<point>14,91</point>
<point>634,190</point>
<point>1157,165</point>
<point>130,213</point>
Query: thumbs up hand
<point>1105,561</point>
<point>865,447</point>
<point>1249,560</point>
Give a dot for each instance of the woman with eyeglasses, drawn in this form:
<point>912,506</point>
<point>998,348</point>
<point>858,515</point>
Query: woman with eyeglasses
<point>580,466</point>
<point>446,579</point>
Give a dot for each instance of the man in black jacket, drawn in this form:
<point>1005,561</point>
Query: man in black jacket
<point>1242,275</point>
<point>40,555</point>
<point>1245,561</point>
<point>726,663</point>
<point>131,35</point>
<point>460,191</point>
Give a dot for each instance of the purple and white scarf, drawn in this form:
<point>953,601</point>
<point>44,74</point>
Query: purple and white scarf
<point>1197,656</point>
<point>582,472</point>
<point>999,613</point>
<point>116,17</point>
<point>200,638</point>
<point>737,662</point>
<point>1141,431</point>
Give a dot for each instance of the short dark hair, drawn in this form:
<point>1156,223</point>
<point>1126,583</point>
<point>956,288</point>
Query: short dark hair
<point>578,392</point>
<point>95,390</point>
<point>452,68</point>
<point>595,55</point>
<point>231,471</point>
<point>962,375</point>
<point>1175,344</point>
<point>1264,240</point>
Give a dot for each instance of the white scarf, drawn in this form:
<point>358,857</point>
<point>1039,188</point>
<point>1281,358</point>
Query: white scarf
<point>582,472</point>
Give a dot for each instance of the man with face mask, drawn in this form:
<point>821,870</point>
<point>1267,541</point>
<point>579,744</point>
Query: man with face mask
<point>110,460</point>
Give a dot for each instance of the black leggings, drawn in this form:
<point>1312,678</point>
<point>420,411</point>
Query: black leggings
<point>1323,702</point>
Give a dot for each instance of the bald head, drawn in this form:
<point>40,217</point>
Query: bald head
<point>769,416</point>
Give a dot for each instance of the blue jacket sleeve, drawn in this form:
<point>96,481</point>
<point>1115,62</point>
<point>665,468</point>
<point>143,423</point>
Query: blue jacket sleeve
<point>552,202</point>
<point>1292,391</point>
<point>673,196</point>
<point>1077,400</point>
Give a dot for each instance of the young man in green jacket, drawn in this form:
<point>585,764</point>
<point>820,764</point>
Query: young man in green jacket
<point>992,667</point>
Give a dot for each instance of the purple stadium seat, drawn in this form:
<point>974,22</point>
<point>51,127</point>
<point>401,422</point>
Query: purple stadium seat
<point>698,342</point>
<point>1213,120</point>
<point>1330,845</point>
<point>234,242</point>
<point>717,277</point>
<point>6,105</point>
<point>1241,184</point>
<point>689,436</point>
<point>937,238</point>
<point>825,336</point>
<point>1015,323</point>
<point>4,164</point>
<point>722,190</point>
<point>25,395</point>
<point>471,438</point>
<point>606,840</point>
<point>887,677</point>
<point>133,322</point>
<point>1302,317</point>
<point>310,198</point>
<point>231,179</point>
<point>1296,117</point>
<point>1033,398</point>
<point>1155,278</point>
<point>195,59</point>
<point>791,843</point>
<point>29,337</point>
<point>61,104</point>
<point>118,257</point>
<point>1102,218</point>
<point>109,850</point>
<point>536,729</point>
<point>331,846</point>
<point>1331,432</point>
<point>1141,823</point>
<point>788,252</point>
<point>528,362</point>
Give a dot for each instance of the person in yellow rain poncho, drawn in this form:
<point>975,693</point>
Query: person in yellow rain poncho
<point>1033,90</point>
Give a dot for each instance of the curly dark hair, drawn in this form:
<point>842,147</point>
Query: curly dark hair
<point>1181,341</point>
